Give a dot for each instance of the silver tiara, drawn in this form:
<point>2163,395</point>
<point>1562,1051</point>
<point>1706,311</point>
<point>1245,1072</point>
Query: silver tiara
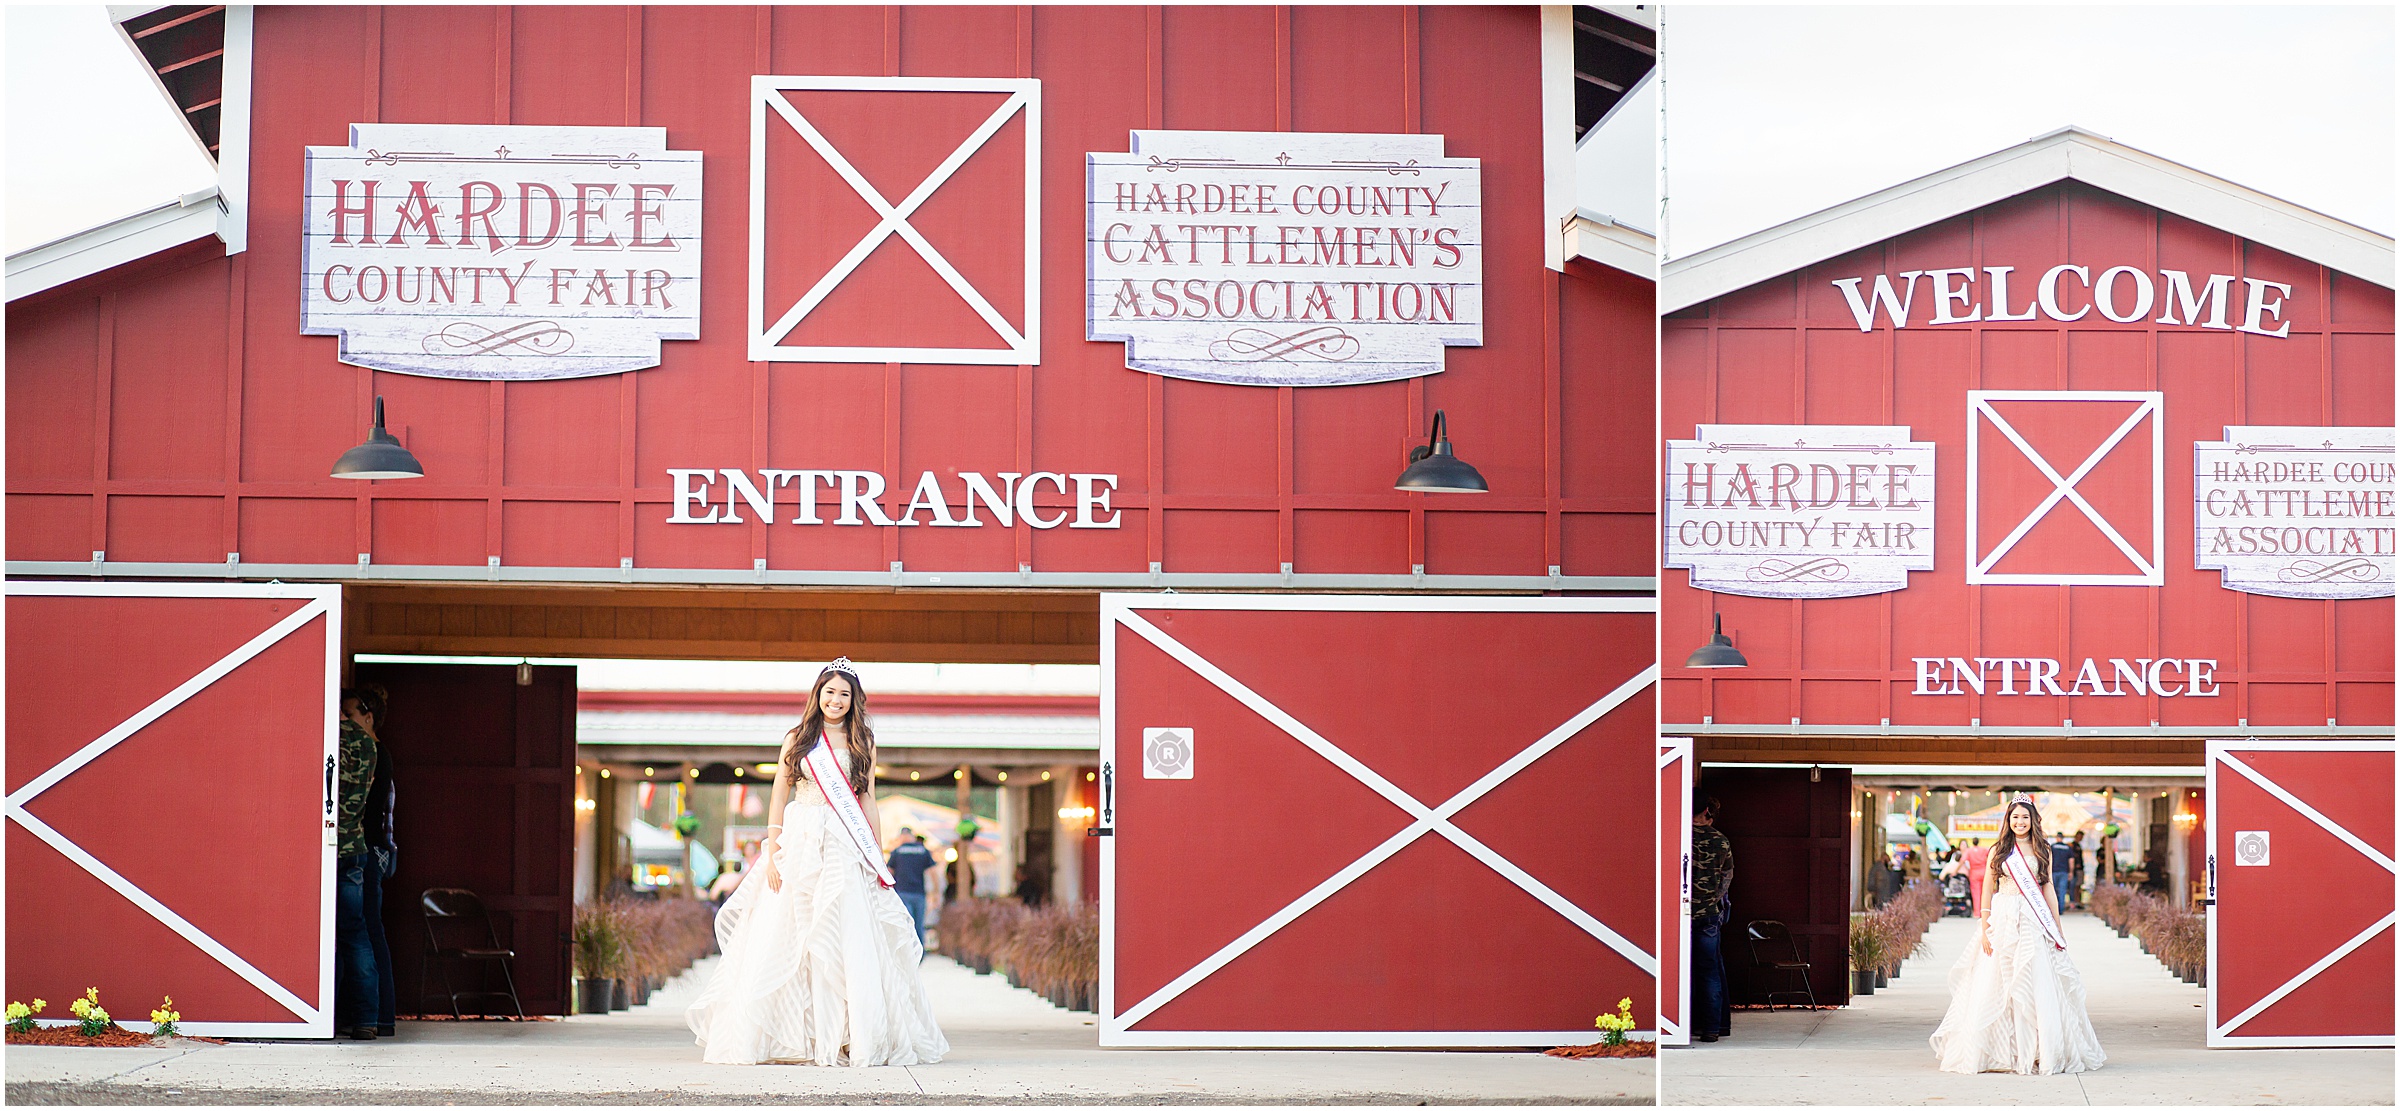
<point>2020,797</point>
<point>841,664</point>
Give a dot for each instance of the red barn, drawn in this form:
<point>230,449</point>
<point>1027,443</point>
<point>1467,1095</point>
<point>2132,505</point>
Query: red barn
<point>2069,456</point>
<point>750,333</point>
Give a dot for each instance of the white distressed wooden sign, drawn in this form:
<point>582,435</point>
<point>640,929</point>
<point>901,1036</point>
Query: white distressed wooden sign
<point>462,251</point>
<point>1284,259</point>
<point>1800,510</point>
<point>2296,512</point>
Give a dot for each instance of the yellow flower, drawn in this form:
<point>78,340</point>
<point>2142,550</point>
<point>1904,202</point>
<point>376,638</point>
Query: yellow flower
<point>38,1005</point>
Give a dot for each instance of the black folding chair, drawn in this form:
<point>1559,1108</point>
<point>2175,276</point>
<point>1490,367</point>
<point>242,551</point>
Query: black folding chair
<point>458,928</point>
<point>1772,937</point>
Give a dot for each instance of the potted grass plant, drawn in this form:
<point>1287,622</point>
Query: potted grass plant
<point>1866,953</point>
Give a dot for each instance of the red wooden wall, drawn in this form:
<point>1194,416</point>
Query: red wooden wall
<point>1789,351</point>
<point>179,417</point>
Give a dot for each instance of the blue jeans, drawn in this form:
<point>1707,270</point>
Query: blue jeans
<point>1712,1004</point>
<point>915,902</point>
<point>355,985</point>
<point>387,990</point>
<point>2064,884</point>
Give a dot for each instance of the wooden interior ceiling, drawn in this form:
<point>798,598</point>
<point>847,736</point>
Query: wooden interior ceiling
<point>2072,751</point>
<point>722,623</point>
<point>185,45</point>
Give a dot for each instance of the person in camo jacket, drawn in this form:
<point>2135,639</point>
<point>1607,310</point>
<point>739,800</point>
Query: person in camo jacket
<point>1712,902</point>
<point>357,990</point>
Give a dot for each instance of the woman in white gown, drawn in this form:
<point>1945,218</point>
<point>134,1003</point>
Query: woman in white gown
<point>820,957</point>
<point>2016,1000</point>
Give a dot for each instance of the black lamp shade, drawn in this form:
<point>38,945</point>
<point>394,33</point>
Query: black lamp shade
<point>1718,652</point>
<point>1432,469</point>
<point>380,457</point>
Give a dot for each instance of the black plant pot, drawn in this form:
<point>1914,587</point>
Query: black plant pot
<point>1862,982</point>
<point>641,992</point>
<point>983,965</point>
<point>592,996</point>
<point>620,995</point>
<point>1882,979</point>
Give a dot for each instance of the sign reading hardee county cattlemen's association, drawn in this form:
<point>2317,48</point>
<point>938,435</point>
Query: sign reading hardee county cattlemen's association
<point>1800,510</point>
<point>1284,259</point>
<point>502,252</point>
<point>2296,512</point>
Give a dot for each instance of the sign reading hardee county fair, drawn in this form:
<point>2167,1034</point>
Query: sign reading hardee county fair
<point>1800,510</point>
<point>1284,259</point>
<point>2296,512</point>
<point>502,252</point>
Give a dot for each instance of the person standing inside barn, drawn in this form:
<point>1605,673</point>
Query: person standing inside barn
<point>909,862</point>
<point>356,987</point>
<point>1712,904</point>
<point>383,850</point>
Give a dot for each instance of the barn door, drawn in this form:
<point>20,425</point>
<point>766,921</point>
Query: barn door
<point>1675,890</point>
<point>171,751</point>
<point>2300,874</point>
<point>485,771</point>
<point>1375,821</point>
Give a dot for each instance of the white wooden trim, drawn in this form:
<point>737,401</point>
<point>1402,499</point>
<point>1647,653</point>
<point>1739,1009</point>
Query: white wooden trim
<point>113,244</point>
<point>320,602</point>
<point>1595,238</point>
<point>1558,127</point>
<point>939,580</point>
<point>1117,611</point>
<point>1023,98</point>
<point>1673,750</point>
<point>2149,571</point>
<point>2062,154</point>
<point>1124,604</point>
<point>233,130</point>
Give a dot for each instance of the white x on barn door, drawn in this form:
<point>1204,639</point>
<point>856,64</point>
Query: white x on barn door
<point>185,847</point>
<point>2300,887</point>
<point>1203,762</point>
<point>768,98</point>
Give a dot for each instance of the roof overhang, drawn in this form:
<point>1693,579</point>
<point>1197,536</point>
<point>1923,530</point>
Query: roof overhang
<point>1601,239</point>
<point>222,211</point>
<point>2068,153</point>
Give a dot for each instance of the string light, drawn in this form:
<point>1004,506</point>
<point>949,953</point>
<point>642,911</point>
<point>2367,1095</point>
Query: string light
<point>1090,776</point>
<point>912,777</point>
<point>1045,777</point>
<point>604,773</point>
<point>1003,777</point>
<point>649,771</point>
<point>738,772</point>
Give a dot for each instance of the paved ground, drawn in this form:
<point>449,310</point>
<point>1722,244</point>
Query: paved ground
<point>2151,1024</point>
<point>1008,1046</point>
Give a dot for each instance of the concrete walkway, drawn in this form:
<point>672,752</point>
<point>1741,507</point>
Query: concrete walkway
<point>1007,1046</point>
<point>2151,1024</point>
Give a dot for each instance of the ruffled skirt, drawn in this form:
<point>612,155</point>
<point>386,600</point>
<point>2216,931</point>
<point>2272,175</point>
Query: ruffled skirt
<point>823,971</point>
<point>2019,1009</point>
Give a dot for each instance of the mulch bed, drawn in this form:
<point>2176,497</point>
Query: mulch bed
<point>1629,1049</point>
<point>115,1036</point>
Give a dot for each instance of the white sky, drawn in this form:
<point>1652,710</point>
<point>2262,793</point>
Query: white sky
<point>90,137</point>
<point>1776,112</point>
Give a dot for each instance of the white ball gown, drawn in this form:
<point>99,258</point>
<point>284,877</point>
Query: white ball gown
<point>822,972</point>
<point>2019,1009</point>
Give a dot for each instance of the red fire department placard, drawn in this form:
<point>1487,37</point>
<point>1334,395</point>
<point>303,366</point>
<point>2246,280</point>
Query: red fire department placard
<point>1370,821</point>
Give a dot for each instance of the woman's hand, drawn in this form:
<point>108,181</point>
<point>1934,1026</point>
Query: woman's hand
<point>1985,936</point>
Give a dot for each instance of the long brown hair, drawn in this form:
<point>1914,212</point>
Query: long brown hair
<point>2008,840</point>
<point>812,728</point>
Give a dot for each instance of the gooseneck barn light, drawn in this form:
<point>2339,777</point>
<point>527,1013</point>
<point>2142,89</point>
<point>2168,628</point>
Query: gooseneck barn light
<point>380,457</point>
<point>1718,652</point>
<point>1433,470</point>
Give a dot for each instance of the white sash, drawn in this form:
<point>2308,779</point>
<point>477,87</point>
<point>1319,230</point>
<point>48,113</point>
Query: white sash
<point>2035,898</point>
<point>826,772</point>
